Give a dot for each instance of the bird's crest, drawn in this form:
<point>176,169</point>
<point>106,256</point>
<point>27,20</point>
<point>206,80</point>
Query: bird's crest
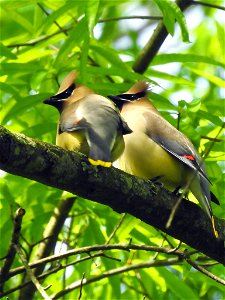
<point>140,86</point>
<point>67,81</point>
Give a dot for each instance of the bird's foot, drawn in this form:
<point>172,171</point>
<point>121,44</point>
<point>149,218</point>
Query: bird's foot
<point>156,180</point>
<point>177,191</point>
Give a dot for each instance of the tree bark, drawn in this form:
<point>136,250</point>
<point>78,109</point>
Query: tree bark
<point>70,171</point>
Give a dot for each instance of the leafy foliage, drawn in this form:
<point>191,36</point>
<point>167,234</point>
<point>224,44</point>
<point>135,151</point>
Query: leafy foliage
<point>41,42</point>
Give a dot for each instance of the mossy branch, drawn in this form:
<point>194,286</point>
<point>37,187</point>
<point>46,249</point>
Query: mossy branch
<point>70,171</point>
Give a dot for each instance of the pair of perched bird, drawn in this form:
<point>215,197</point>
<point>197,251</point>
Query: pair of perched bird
<point>133,134</point>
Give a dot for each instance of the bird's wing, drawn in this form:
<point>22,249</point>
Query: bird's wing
<point>174,142</point>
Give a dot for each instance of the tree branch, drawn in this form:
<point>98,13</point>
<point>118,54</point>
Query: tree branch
<point>153,18</point>
<point>155,42</point>
<point>107,274</point>
<point>50,236</point>
<point>182,255</point>
<point>30,273</point>
<point>211,5</point>
<point>40,39</point>
<point>205,272</point>
<point>101,248</point>
<point>12,252</point>
<point>70,171</point>
<point>46,273</point>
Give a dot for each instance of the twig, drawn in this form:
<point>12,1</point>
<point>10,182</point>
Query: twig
<point>47,14</point>
<point>178,120</point>
<point>205,272</point>
<point>176,248</point>
<point>213,142</point>
<point>81,286</point>
<point>157,253</point>
<point>151,48</point>
<point>166,238</point>
<point>61,30</point>
<point>11,252</point>
<point>19,287</point>
<point>30,273</point>
<point>145,291</point>
<point>123,216</point>
<point>40,39</point>
<point>147,264</point>
<point>58,268</point>
<point>139,292</point>
<point>207,4</point>
<point>88,249</point>
<point>211,139</point>
<point>155,42</point>
<point>130,18</point>
<point>68,240</point>
<point>51,232</point>
<point>47,273</point>
<point>208,264</point>
<point>176,205</point>
<point>109,257</point>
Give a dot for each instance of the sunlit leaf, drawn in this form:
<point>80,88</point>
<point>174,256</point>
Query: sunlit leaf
<point>176,285</point>
<point>212,78</point>
<point>172,12</point>
<point>92,7</point>
<point>175,57</point>
<point>6,52</point>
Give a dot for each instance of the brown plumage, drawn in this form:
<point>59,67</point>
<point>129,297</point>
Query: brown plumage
<point>88,123</point>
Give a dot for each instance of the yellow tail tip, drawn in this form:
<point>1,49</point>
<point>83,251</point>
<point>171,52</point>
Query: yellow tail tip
<point>214,228</point>
<point>106,164</point>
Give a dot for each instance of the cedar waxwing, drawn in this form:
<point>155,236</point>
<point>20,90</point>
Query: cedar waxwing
<point>88,123</point>
<point>156,149</point>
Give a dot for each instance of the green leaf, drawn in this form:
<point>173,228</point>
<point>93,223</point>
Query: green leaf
<point>211,117</point>
<point>128,224</point>
<point>109,54</point>
<point>162,59</point>
<point>76,36</point>
<point>177,285</point>
<point>176,79</point>
<point>168,15</point>
<point>161,102</point>
<point>19,19</point>
<point>18,68</point>
<point>9,89</point>
<point>112,70</point>
<point>33,54</point>
<point>212,78</point>
<point>180,19</point>
<point>24,104</point>
<point>172,12</point>
<point>84,55</point>
<point>194,105</point>
<point>61,11</point>
<point>4,51</point>
<point>92,8</point>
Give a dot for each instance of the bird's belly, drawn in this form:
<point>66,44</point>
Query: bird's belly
<point>73,141</point>
<point>145,158</point>
<point>118,147</point>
